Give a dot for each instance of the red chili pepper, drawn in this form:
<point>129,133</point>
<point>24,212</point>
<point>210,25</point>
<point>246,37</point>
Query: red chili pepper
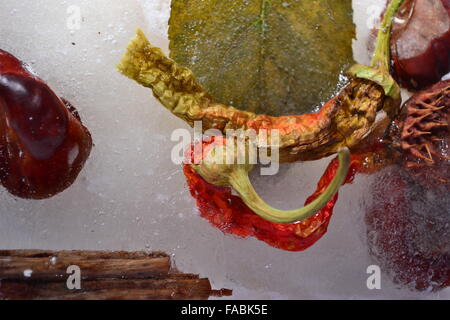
<point>230,214</point>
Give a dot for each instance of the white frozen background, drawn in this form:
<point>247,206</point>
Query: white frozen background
<point>131,197</point>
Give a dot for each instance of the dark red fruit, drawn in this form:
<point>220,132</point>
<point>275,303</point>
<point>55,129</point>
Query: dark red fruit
<point>43,144</point>
<point>421,43</point>
<point>408,231</point>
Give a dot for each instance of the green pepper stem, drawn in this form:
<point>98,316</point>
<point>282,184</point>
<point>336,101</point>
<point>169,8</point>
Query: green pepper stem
<point>240,181</point>
<point>379,70</point>
<point>382,55</point>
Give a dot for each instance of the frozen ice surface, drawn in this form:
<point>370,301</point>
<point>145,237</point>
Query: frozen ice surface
<point>131,197</point>
<point>418,34</point>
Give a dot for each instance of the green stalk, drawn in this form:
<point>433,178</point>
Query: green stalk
<point>240,181</point>
<point>382,55</point>
<point>379,69</point>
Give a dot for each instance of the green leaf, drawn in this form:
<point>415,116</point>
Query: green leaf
<point>265,56</point>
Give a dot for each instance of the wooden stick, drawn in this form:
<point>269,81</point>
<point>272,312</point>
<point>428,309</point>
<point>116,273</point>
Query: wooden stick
<point>37,274</point>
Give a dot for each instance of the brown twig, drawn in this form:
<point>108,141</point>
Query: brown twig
<point>34,274</point>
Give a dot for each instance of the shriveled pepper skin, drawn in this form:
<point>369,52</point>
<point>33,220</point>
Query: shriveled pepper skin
<point>343,121</point>
<point>228,212</point>
<point>43,145</point>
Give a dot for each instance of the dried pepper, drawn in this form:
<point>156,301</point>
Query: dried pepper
<point>43,144</point>
<point>230,214</point>
<point>215,169</point>
<point>340,124</point>
<point>417,139</point>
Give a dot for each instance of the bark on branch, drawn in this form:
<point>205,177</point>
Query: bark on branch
<point>37,274</point>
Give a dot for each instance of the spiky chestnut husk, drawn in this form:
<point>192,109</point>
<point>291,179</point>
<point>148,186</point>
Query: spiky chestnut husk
<point>422,136</point>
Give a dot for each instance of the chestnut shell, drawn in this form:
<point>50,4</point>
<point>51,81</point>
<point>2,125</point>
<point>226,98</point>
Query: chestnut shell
<point>43,144</point>
<point>417,71</point>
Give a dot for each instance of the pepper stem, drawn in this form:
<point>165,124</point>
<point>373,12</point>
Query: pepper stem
<point>240,181</point>
<point>382,55</point>
<point>379,70</point>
